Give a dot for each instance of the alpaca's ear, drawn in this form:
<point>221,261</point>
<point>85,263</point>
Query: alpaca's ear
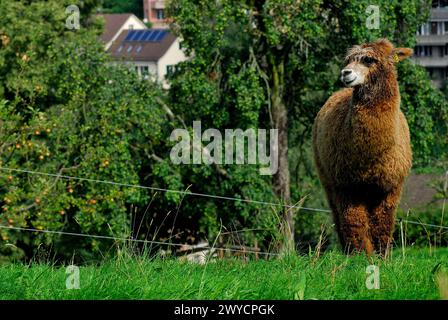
<point>399,54</point>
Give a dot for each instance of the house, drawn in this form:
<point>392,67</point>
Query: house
<point>153,53</point>
<point>116,23</point>
<point>431,50</point>
<point>155,13</point>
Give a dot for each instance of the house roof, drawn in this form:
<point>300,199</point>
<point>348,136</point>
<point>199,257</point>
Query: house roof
<point>142,45</point>
<point>113,24</point>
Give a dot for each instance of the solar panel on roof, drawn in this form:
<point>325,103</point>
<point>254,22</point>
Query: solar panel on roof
<point>141,35</point>
<point>160,35</point>
<point>134,36</point>
<point>152,35</point>
<point>129,35</point>
<point>148,34</point>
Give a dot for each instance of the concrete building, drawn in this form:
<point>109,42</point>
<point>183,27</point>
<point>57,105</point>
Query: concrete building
<point>155,12</point>
<point>432,43</point>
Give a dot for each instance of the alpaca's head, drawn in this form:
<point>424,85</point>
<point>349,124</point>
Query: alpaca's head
<point>371,63</point>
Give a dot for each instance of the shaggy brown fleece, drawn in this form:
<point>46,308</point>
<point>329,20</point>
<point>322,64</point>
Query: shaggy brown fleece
<point>362,150</point>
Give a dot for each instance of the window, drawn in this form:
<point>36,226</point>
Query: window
<point>438,74</point>
<point>426,29</point>
<point>131,27</point>
<point>446,27</point>
<point>440,27</point>
<point>423,30</point>
<point>433,27</point>
<point>144,70</point>
<point>417,51</point>
<point>120,48</point>
<point>139,48</point>
<point>130,48</point>
<point>423,51</point>
<point>160,14</point>
<point>169,70</point>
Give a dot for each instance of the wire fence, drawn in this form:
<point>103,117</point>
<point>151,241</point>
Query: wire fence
<point>93,236</point>
<point>187,193</point>
<point>298,207</point>
<point>423,224</point>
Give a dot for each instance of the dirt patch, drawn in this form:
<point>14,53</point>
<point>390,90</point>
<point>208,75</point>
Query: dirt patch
<point>420,190</point>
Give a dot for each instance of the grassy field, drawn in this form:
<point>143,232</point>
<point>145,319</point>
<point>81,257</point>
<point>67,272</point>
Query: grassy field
<point>421,274</point>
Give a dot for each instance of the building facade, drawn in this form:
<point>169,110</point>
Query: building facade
<point>155,13</point>
<point>432,43</point>
<point>153,53</point>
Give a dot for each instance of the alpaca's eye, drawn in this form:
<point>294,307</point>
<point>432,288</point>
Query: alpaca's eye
<point>368,60</point>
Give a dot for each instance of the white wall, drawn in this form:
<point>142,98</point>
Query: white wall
<point>152,67</point>
<point>158,71</point>
<point>173,56</point>
<point>136,66</point>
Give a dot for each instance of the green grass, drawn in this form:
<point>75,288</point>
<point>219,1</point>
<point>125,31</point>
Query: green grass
<point>331,276</point>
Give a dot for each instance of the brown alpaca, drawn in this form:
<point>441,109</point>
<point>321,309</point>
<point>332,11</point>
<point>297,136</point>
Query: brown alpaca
<point>362,147</point>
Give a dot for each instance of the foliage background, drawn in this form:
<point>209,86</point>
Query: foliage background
<point>65,108</point>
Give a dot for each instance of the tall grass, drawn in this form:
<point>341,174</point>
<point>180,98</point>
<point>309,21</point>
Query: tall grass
<point>420,274</point>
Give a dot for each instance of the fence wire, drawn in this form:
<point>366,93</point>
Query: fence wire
<point>134,240</point>
<point>187,193</point>
<point>177,192</point>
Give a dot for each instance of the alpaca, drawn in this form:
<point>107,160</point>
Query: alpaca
<point>362,148</point>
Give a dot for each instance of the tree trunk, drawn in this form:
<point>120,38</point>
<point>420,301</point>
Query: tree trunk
<point>275,59</point>
<point>281,179</point>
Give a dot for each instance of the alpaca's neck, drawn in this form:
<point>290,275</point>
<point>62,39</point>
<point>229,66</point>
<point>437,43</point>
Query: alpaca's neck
<point>380,95</point>
<point>374,113</point>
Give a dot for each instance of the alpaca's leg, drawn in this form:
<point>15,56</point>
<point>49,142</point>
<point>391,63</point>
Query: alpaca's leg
<point>382,221</point>
<point>354,226</point>
<point>352,221</point>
